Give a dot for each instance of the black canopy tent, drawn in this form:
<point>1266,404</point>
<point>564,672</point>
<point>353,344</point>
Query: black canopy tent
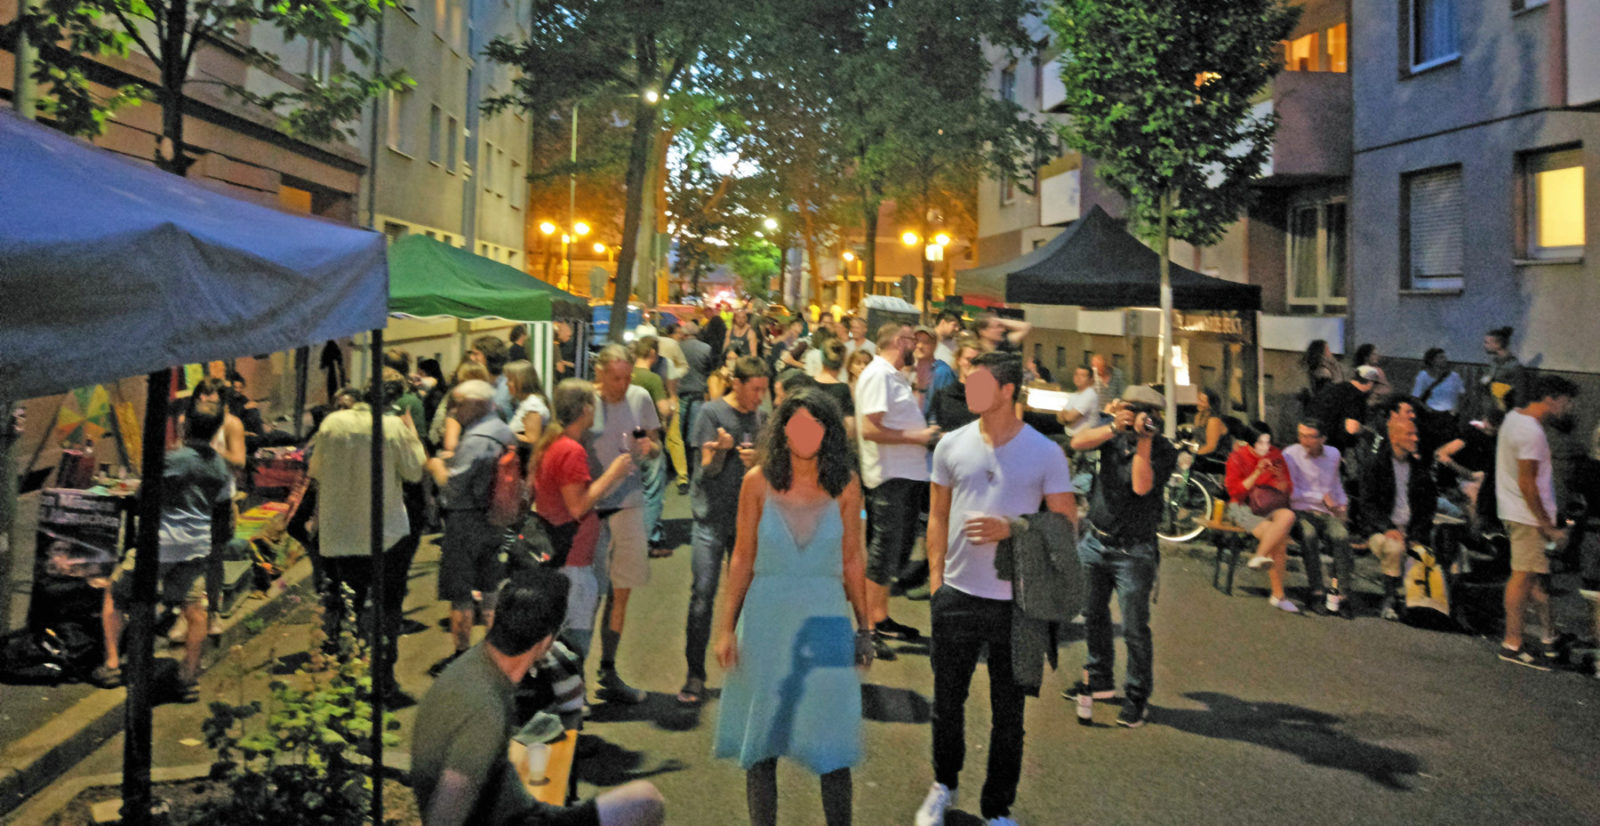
<point>1095,263</point>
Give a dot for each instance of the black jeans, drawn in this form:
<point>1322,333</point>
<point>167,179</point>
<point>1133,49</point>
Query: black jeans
<point>962,626</point>
<point>356,572</point>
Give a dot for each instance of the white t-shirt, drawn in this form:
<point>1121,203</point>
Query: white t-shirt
<point>1008,481</point>
<point>1521,437</point>
<point>882,389</point>
<point>532,404</point>
<point>1087,402</point>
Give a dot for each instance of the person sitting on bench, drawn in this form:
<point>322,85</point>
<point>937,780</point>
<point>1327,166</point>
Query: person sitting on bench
<point>1258,491</point>
<point>1397,499</point>
<point>1320,509</point>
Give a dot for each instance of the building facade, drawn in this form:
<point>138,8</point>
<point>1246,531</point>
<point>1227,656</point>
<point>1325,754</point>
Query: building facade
<point>1477,136</point>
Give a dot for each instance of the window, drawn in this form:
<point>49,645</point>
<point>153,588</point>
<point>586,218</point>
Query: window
<point>441,12</point>
<point>1008,83</point>
<point>1008,191</point>
<point>1553,192</point>
<point>435,136</point>
<point>1303,54</point>
<point>452,130</point>
<point>399,104</point>
<point>1339,48</point>
<point>1061,365</point>
<point>505,170</point>
<point>518,183</point>
<point>394,230</point>
<point>1434,38</point>
<point>1523,5</point>
<point>488,167</point>
<point>1435,229</point>
<point>1317,256</point>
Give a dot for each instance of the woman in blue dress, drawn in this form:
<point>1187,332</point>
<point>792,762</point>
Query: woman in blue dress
<point>784,634</point>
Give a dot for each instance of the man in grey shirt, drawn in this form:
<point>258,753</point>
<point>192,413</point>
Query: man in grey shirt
<point>692,386</point>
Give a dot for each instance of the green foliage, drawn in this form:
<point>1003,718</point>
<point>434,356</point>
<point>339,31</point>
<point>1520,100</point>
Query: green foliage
<point>303,756</point>
<point>1160,95</point>
<point>755,261</point>
<point>168,33</point>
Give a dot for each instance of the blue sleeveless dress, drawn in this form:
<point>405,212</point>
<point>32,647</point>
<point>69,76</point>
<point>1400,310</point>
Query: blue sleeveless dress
<point>795,692</point>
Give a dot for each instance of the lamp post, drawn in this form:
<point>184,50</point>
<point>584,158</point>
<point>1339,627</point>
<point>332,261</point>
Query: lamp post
<point>574,231</point>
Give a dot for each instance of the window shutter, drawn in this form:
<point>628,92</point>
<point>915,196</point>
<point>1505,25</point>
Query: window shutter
<point>1436,229</point>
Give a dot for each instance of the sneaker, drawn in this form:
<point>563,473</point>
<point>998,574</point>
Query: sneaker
<point>614,690</point>
<point>1283,605</point>
<point>1389,612</point>
<point>1134,713</point>
<point>1100,690</point>
<point>940,798</point>
<point>889,628</point>
<point>1258,562</point>
<point>1522,656</point>
<point>881,649</point>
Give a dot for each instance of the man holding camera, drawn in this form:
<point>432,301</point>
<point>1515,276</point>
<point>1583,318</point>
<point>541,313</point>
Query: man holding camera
<point>1118,547</point>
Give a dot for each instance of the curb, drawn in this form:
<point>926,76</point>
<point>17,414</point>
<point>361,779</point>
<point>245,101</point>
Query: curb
<point>31,763</point>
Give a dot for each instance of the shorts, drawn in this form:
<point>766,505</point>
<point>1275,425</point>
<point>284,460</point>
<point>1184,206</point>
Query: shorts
<point>1527,548</point>
<point>1240,514</point>
<point>540,813</point>
<point>469,556</point>
<point>629,565</point>
<point>179,583</point>
<point>893,512</point>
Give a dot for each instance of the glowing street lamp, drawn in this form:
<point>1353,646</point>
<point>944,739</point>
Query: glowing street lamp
<point>580,229</point>
<point>599,248</point>
<point>770,223</point>
<point>849,256</point>
<point>909,238</point>
<point>942,240</point>
<point>547,228</point>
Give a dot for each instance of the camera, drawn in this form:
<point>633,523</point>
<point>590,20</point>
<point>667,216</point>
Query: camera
<point>1152,423</point>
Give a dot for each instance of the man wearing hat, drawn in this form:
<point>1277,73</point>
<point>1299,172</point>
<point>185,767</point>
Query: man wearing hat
<point>1118,547</point>
<point>1341,407</point>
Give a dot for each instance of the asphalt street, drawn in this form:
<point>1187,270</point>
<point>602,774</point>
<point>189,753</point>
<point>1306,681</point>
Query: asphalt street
<point>1257,717</point>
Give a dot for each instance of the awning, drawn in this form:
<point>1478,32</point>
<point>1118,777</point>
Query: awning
<point>110,268</point>
<point>1096,263</point>
<point>429,279</point>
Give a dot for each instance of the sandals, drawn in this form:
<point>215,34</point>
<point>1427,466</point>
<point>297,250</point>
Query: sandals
<point>105,677</point>
<point>690,696</point>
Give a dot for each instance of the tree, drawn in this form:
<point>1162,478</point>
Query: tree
<point>1159,94</point>
<point>755,261</point>
<point>637,48</point>
<point>169,33</point>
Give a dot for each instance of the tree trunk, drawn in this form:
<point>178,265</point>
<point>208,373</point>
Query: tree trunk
<point>644,124</point>
<point>1167,374</point>
<point>869,250</point>
<point>927,266</point>
<point>174,72</point>
<point>808,237</point>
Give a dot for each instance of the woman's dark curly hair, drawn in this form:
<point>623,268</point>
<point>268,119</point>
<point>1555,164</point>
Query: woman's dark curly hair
<point>836,461</point>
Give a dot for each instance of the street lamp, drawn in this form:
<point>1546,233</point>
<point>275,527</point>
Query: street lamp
<point>770,223</point>
<point>599,248</point>
<point>909,238</point>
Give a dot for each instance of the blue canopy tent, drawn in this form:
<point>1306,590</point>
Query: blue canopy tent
<point>111,268</point>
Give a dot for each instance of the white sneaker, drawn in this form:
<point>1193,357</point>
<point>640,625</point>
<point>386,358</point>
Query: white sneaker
<point>931,812</point>
<point>1256,563</point>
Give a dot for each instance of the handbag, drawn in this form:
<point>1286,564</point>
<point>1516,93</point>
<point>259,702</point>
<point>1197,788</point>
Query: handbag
<point>1264,499</point>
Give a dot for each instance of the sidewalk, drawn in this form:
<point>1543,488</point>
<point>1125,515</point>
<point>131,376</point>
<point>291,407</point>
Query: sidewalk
<point>46,730</point>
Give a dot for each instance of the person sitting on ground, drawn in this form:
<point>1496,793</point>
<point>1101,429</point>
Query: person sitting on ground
<point>460,771</point>
<point>196,515</point>
<point>1320,508</point>
<point>1396,500</point>
<point>1259,488</point>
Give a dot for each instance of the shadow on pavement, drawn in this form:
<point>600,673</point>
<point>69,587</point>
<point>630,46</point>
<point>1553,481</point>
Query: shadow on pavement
<point>1313,736</point>
<point>882,704</point>
<point>661,709</point>
<point>602,763</point>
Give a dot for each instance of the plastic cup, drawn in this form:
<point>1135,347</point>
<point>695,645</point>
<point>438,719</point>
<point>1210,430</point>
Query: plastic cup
<point>535,759</point>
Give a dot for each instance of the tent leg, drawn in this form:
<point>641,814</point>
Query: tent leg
<point>302,374</point>
<point>136,750</point>
<point>378,651</point>
<point>1254,402</point>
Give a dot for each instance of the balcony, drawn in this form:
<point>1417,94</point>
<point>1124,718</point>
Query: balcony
<point>1051,92</point>
<point>1314,128</point>
<point>1060,191</point>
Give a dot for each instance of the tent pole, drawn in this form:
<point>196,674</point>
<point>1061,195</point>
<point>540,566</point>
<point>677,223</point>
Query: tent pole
<point>1254,399</point>
<point>377,651</point>
<point>141,626</point>
<point>1166,373</point>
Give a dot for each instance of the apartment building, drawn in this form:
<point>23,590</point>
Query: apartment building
<point>1293,242</point>
<point>1476,144</point>
<point>443,169</point>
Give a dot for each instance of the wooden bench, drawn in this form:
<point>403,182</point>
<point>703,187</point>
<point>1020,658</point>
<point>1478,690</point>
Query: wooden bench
<point>555,788</point>
<point>1231,541</point>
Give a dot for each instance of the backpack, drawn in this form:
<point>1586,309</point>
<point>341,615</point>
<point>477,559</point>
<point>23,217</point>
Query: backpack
<point>508,492</point>
<point>1425,585</point>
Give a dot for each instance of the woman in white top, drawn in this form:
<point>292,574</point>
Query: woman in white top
<point>527,396</point>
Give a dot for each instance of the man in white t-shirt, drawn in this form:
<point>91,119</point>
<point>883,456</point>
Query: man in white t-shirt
<point>1083,404</point>
<point>858,338</point>
<point>894,440</point>
<point>1526,499</point>
<point>985,474</point>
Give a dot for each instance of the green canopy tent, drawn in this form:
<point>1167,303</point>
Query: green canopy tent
<point>432,279</point>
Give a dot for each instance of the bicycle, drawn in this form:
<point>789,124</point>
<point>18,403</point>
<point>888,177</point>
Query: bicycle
<point>1189,498</point>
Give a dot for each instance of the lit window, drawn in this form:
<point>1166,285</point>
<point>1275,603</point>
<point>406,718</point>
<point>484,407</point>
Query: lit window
<point>1302,54</point>
<point>1434,37</point>
<point>1554,194</point>
<point>1435,229</point>
<point>1339,48</point>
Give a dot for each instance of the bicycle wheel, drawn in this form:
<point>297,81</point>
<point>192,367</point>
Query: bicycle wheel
<point>1185,506</point>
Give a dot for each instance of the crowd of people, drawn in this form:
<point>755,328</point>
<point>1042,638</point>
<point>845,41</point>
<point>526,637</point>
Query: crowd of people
<point>842,447</point>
